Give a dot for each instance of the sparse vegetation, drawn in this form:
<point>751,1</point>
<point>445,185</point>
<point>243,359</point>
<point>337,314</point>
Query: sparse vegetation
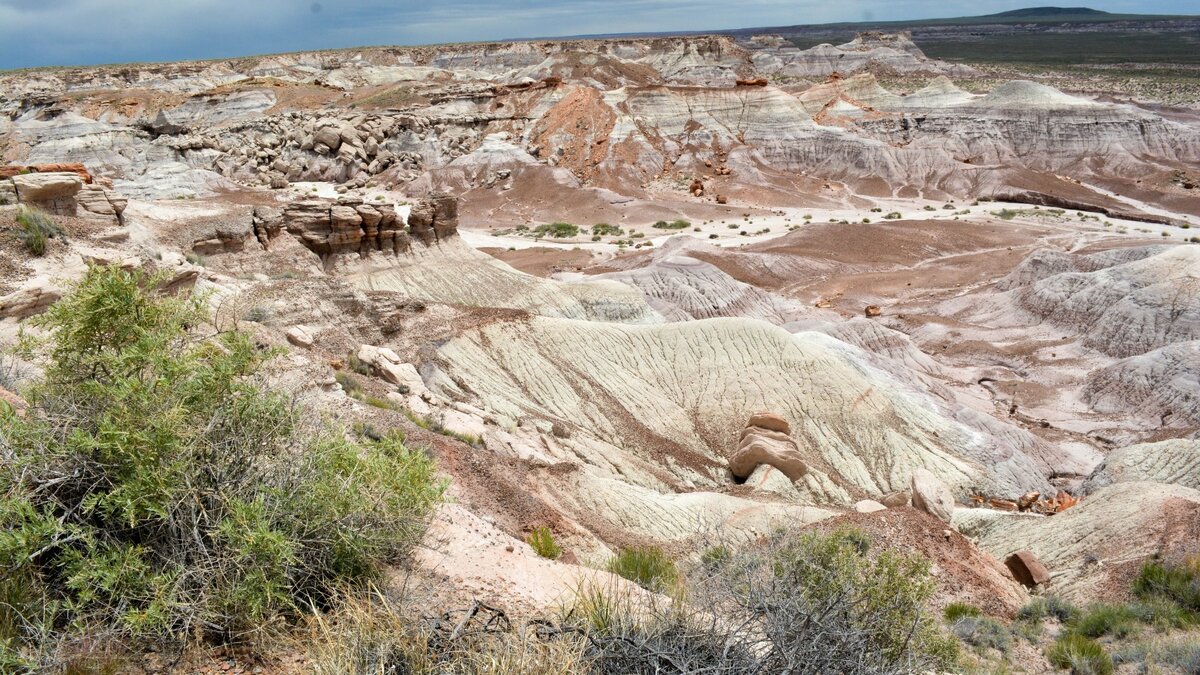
<point>556,230</point>
<point>806,602</point>
<point>1179,584</point>
<point>1081,655</point>
<point>957,610</point>
<point>36,230</point>
<point>647,566</point>
<point>156,492</point>
<point>982,632</point>
<point>894,215</point>
<point>606,230</point>
<point>541,539</point>
<point>672,225</point>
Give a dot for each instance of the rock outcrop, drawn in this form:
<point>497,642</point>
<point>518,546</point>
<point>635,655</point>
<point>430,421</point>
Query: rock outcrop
<point>766,440</point>
<point>350,226</point>
<point>1176,462</point>
<point>63,193</point>
<point>931,495</point>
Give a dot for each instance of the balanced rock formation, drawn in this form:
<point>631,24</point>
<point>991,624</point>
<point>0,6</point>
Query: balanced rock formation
<point>765,440</point>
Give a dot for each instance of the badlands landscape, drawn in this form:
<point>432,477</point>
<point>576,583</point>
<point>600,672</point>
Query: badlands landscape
<point>670,295</point>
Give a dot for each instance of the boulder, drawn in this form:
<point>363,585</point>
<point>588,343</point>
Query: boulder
<point>33,299</point>
<point>44,187</point>
<point>164,125</point>
<point>762,446</point>
<point>434,218</point>
<point>872,311</point>
<point>770,422</point>
<point>869,506</point>
<point>1027,569</point>
<point>300,337</point>
<point>391,368</point>
<point>767,478</point>
<point>930,494</point>
<point>894,500</point>
<point>330,137</point>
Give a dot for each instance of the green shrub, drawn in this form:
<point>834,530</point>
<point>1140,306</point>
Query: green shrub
<point>983,632</point>
<point>604,229</point>
<point>647,566</point>
<point>957,610</point>
<point>1163,613</point>
<point>1103,619</point>
<point>557,230</point>
<point>349,384</point>
<point>1081,655</point>
<point>1051,606</point>
<point>814,603</point>
<point>672,225</point>
<point>1182,656</point>
<point>36,229</point>
<point>541,539</point>
<point>1178,583</point>
<point>258,315</point>
<point>713,558</point>
<point>894,215</point>
<point>186,500</point>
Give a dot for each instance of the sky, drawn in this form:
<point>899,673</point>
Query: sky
<point>79,32</point>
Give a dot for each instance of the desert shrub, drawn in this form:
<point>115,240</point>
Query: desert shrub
<point>36,229</point>
<point>1006,214</point>
<point>258,315</point>
<point>672,225</point>
<point>1081,655</point>
<point>1103,619</point>
<point>604,229</point>
<point>359,366</point>
<point>196,259</point>
<point>983,632</point>
<point>378,634</point>
<point>1178,583</point>
<point>556,230</point>
<point>541,539</point>
<point>957,610</point>
<point>647,566</point>
<point>927,207</point>
<point>156,490</point>
<point>713,558</point>
<point>893,215</point>
<point>1163,613</point>
<point>801,603</point>
<point>1051,606</point>
<point>1181,656</point>
<point>349,383</point>
<point>627,634</point>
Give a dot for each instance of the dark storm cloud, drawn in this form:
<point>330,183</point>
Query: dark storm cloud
<point>56,32</point>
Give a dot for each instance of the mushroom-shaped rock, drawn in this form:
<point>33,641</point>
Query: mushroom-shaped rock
<point>770,422</point>
<point>930,494</point>
<point>1027,569</point>
<point>767,444</point>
